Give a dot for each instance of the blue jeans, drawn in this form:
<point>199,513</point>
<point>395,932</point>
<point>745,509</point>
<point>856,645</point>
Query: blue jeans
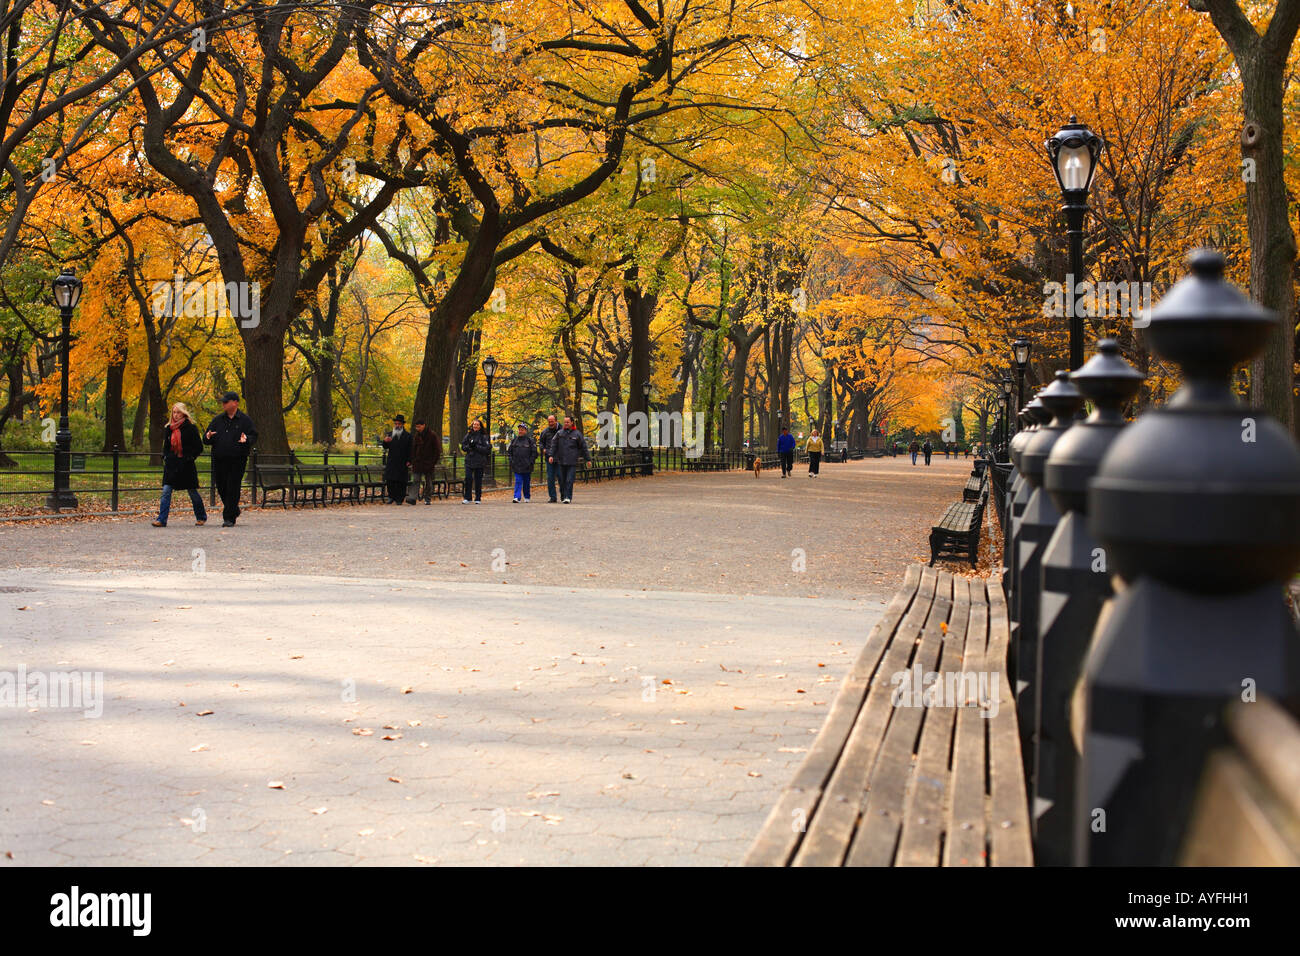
<point>523,485</point>
<point>550,480</point>
<point>914,458</point>
<point>566,475</point>
<point>165,505</point>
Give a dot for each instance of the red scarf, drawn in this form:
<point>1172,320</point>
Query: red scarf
<point>176,440</point>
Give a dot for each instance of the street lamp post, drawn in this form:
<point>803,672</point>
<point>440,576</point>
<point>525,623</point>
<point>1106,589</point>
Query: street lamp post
<point>489,373</point>
<point>1020,352</point>
<point>67,293</point>
<point>723,405</point>
<point>1006,410</point>
<point>649,450</point>
<point>1073,153</point>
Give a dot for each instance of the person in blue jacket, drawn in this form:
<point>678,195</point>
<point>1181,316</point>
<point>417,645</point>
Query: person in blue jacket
<point>785,449</point>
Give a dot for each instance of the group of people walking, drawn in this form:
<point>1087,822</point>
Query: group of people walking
<point>785,448</point>
<point>409,465</point>
<point>231,435</point>
<point>917,448</point>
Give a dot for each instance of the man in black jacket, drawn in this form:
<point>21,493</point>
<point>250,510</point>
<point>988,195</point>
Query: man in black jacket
<point>544,441</point>
<point>232,436</point>
<point>568,448</point>
<point>397,466</point>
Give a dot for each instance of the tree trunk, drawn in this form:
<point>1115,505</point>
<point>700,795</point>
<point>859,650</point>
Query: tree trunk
<point>1261,61</point>
<point>1272,243</point>
<point>463,378</point>
<point>114,427</point>
<point>322,401</point>
<point>263,381</point>
<point>640,311</point>
<point>741,345</point>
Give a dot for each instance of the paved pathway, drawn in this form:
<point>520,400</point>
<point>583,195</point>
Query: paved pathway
<point>550,719</point>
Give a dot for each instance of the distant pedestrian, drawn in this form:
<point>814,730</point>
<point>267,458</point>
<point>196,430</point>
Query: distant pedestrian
<point>397,464</point>
<point>785,451</point>
<point>232,437</point>
<point>182,446</point>
<point>424,458</point>
<point>914,449</point>
<point>814,447</point>
<point>568,448</point>
<point>928,449</point>
<point>544,440</point>
<point>522,455</point>
<point>478,452</point>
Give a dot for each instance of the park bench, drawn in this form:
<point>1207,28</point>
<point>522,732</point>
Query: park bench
<point>976,485</point>
<point>888,783</point>
<point>311,483</point>
<point>1247,810</point>
<point>347,483</point>
<point>272,478</point>
<point>705,463</point>
<point>958,532</point>
<point>445,481</point>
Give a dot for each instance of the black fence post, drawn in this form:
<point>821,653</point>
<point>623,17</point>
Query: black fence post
<point>1037,524</point>
<point>1020,492</point>
<point>1197,506</point>
<point>116,451</point>
<point>1074,587</point>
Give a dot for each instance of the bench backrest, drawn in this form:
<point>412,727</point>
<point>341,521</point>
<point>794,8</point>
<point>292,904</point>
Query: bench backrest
<point>1247,811</point>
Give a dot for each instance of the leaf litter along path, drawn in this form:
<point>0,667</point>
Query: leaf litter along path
<point>286,718</point>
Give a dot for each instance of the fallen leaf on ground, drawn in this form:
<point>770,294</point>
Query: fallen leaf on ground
<point>275,784</point>
<point>363,732</point>
<point>319,810</point>
<point>204,713</point>
<point>197,747</point>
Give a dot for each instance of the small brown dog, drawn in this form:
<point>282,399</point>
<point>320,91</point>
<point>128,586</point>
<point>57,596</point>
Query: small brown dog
<point>758,465</point>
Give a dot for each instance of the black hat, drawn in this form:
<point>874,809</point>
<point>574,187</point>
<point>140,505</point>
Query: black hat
<point>229,397</point>
<point>399,419</point>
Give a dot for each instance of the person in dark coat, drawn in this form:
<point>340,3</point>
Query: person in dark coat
<point>478,452</point>
<point>785,451</point>
<point>522,453</point>
<point>544,440</point>
<point>914,449</point>
<point>928,449</point>
<point>568,448</point>
<point>424,456</point>
<point>182,446</point>
<point>397,465</point>
<point>232,437</point>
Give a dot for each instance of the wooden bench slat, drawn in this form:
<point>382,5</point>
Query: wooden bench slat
<point>1009,834</point>
<point>937,783</point>
<point>895,771</point>
<point>780,834</point>
<point>924,816</point>
<point>966,827</point>
<point>831,827</point>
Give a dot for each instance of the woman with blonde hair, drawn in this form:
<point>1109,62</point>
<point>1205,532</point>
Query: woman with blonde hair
<point>815,448</point>
<point>182,445</point>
